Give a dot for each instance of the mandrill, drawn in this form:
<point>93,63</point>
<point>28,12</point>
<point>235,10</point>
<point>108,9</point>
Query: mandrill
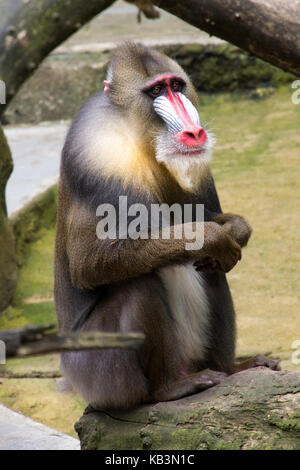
<point>141,137</point>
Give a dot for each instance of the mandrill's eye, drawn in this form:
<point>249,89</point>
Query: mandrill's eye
<point>176,86</point>
<point>156,90</point>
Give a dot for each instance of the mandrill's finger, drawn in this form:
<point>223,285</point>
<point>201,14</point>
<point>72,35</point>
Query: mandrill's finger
<point>202,262</point>
<point>208,266</point>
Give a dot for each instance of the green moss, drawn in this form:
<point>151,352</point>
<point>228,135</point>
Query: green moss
<point>33,300</point>
<point>91,440</point>
<point>30,222</point>
<point>216,68</point>
<point>290,423</point>
<point>34,223</point>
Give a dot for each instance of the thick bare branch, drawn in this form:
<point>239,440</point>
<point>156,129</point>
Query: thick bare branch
<point>34,340</point>
<point>14,338</point>
<point>30,30</point>
<point>146,7</point>
<point>269,29</point>
<point>81,341</point>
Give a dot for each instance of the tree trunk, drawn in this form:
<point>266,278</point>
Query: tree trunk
<point>30,30</point>
<point>269,29</point>
<point>8,269</point>
<point>254,409</point>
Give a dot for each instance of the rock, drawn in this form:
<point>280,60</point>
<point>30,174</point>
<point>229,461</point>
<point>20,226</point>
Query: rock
<point>58,89</point>
<point>39,214</point>
<point>254,409</point>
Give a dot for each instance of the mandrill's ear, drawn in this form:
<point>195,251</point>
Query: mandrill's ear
<point>106,87</point>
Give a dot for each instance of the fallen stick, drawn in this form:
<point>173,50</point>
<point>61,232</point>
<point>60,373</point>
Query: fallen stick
<point>81,341</point>
<point>32,341</point>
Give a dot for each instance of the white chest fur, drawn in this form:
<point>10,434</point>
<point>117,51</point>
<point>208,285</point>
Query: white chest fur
<point>189,305</point>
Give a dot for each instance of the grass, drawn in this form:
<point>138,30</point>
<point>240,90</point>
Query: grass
<point>256,170</point>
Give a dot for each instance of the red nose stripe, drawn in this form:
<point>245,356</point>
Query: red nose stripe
<point>180,110</point>
<point>192,135</point>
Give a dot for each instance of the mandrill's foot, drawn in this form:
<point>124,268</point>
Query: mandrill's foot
<point>189,385</point>
<point>258,361</point>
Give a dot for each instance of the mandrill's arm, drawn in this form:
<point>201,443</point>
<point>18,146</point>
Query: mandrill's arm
<point>94,262</point>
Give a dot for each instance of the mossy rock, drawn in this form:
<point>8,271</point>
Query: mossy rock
<point>216,68</point>
<point>255,409</point>
<point>58,89</point>
<point>65,81</point>
<point>30,221</point>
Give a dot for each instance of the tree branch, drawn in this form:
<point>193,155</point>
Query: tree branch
<point>29,31</point>
<point>257,409</point>
<point>34,340</point>
<point>269,29</point>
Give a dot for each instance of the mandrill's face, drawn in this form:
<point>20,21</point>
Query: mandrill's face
<point>159,99</point>
<point>182,144</point>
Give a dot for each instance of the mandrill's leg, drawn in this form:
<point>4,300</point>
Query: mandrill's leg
<point>189,385</point>
<point>257,361</point>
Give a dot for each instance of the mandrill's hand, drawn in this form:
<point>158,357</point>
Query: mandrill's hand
<point>236,226</point>
<point>221,251</point>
